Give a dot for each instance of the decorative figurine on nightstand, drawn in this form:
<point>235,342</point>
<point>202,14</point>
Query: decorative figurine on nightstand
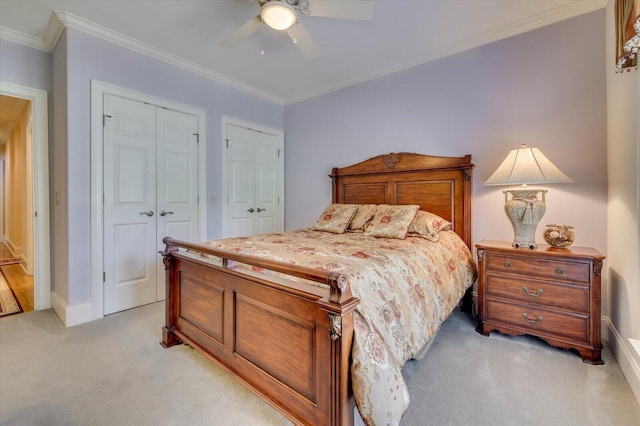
<point>559,235</point>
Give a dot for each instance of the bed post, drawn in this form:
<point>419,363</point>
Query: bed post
<point>334,190</point>
<point>466,200</point>
<point>341,395</point>
<point>340,312</point>
<point>467,304</point>
<point>168,336</point>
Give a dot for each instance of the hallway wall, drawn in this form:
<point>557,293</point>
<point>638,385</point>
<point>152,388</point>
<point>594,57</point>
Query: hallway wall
<point>15,200</point>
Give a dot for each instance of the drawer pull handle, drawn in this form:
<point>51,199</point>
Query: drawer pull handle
<point>535,321</point>
<point>536,294</point>
<point>507,264</point>
<point>559,271</point>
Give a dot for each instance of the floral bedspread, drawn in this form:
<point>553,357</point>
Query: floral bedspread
<point>407,288</point>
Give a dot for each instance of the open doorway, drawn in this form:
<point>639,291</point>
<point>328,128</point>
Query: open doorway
<point>16,205</point>
<point>24,199</point>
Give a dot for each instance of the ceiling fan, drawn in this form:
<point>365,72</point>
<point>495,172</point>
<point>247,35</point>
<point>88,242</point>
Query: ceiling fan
<point>282,15</point>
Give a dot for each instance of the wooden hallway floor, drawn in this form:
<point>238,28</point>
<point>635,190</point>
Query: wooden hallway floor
<point>19,281</point>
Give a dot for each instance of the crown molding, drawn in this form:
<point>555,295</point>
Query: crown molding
<point>72,21</point>
<point>55,28</point>
<point>60,20</point>
<point>577,8</point>
<point>24,39</point>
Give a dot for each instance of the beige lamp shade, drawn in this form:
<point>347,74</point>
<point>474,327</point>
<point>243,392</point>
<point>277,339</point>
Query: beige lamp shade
<point>526,165</point>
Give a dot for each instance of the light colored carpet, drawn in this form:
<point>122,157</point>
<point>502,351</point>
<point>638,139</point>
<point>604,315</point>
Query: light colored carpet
<point>469,379</point>
<point>114,372</point>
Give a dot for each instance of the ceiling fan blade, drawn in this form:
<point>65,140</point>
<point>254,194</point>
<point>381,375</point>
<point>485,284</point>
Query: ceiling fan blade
<point>243,32</point>
<point>346,9</point>
<point>303,41</point>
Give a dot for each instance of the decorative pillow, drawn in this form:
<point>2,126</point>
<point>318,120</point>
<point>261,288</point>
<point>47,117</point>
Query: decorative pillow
<point>427,225</point>
<point>391,221</point>
<point>362,217</point>
<point>335,218</point>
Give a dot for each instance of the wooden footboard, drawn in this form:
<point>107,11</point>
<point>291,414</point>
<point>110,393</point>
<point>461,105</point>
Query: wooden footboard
<point>288,342</point>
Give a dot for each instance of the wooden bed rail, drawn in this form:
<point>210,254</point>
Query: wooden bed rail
<point>339,290</point>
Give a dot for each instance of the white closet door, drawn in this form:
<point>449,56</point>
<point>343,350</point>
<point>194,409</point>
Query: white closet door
<point>240,182</point>
<point>177,183</point>
<point>150,192</point>
<point>266,184</point>
<point>253,178</point>
<point>130,248</point>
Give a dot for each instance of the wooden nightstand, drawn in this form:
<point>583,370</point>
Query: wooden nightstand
<point>552,293</point>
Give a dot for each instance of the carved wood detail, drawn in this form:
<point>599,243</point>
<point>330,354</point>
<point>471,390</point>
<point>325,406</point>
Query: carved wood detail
<point>391,160</point>
<point>338,285</point>
<point>597,267</point>
<point>480,255</point>
<point>167,257</point>
<point>335,326</point>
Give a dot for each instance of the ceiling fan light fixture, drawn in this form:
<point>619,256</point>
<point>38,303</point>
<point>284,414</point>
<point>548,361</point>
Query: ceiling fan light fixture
<point>278,15</point>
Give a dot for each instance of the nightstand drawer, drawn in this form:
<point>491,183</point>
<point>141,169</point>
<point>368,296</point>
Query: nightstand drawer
<point>538,321</point>
<point>540,268</point>
<point>544,294</point>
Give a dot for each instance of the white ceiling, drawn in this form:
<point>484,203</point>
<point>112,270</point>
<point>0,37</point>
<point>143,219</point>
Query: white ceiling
<point>187,33</point>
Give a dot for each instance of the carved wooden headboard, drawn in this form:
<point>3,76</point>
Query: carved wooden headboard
<point>441,185</point>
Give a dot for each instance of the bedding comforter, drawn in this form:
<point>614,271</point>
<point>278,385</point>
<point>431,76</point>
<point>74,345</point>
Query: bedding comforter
<point>407,288</point>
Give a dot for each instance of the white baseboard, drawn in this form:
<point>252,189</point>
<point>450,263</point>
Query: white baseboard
<point>625,354</point>
<point>23,264</point>
<point>12,247</point>
<point>71,315</point>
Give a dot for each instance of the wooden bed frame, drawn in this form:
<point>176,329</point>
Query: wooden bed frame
<point>290,342</point>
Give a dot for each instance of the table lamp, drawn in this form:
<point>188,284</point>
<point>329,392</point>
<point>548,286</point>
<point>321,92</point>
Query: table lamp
<point>524,209</point>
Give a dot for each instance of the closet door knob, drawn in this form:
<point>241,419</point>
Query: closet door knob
<point>148,213</point>
<point>251,210</point>
<point>164,213</point>
<point>261,210</point>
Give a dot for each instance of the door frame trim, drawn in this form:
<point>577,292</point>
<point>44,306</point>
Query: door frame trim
<point>98,90</point>
<point>40,194</point>
<point>223,180</point>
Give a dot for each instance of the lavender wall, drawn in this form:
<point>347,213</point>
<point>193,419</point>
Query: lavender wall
<point>25,66</point>
<point>92,58</point>
<point>545,88</point>
<point>58,170</point>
